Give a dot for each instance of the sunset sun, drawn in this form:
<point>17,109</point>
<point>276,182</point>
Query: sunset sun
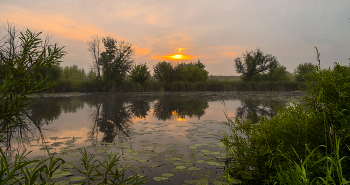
<point>176,56</point>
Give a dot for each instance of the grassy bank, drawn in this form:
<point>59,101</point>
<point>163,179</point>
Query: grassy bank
<point>155,86</point>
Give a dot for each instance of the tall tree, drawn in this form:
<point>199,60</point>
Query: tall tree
<point>116,60</point>
<point>254,62</point>
<point>94,47</point>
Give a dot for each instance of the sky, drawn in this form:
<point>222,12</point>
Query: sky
<point>213,31</point>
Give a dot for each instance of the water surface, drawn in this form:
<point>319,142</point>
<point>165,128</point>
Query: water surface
<point>154,133</point>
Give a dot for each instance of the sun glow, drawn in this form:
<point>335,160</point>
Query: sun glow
<point>176,56</point>
<point>178,117</point>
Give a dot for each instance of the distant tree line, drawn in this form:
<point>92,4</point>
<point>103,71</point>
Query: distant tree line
<point>113,64</point>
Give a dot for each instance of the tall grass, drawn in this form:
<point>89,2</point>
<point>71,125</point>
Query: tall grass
<point>18,170</point>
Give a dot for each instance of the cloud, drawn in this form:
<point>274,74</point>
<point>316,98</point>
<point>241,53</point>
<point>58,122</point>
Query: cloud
<point>141,51</point>
<point>53,23</point>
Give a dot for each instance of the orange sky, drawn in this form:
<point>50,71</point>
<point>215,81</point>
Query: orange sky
<point>214,32</point>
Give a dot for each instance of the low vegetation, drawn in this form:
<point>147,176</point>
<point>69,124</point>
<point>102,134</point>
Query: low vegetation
<point>304,143</point>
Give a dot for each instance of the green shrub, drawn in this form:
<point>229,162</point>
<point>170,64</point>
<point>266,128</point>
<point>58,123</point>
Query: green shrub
<point>140,74</point>
<point>277,149</point>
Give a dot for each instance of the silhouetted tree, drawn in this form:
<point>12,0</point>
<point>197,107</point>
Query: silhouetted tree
<point>116,60</point>
<point>254,62</point>
<point>164,72</point>
<point>191,72</point>
<point>94,47</point>
<point>140,73</point>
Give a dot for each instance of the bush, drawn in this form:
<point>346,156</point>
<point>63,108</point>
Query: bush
<point>191,72</point>
<point>276,149</point>
<point>73,73</point>
<point>140,74</point>
<point>302,70</point>
<point>164,72</point>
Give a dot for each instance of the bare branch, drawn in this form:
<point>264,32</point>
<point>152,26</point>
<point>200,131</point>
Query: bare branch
<point>94,46</point>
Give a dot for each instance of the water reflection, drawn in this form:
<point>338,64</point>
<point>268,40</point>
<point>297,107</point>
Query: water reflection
<point>139,107</point>
<point>178,107</point>
<point>39,113</point>
<point>112,114</point>
<point>256,109</point>
<point>114,117</point>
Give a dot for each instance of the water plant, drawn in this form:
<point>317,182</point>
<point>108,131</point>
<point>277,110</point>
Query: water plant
<point>106,171</point>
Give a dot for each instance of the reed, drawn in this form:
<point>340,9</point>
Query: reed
<point>18,170</point>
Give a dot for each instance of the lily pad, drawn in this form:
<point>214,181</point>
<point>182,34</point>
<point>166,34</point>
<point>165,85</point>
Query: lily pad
<point>180,167</point>
<point>167,175</point>
<point>193,168</point>
<point>129,151</point>
<point>62,183</point>
<point>77,178</point>
<point>153,165</point>
<point>160,178</point>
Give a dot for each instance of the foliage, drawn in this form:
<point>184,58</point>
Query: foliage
<point>140,74</point>
<point>116,60</point>
<point>53,72</point>
<point>73,73</point>
<point>93,169</point>
<point>92,75</point>
<point>253,145</point>
<point>191,72</point>
<point>20,72</point>
<point>13,167</point>
<point>298,172</point>
<point>328,94</point>
<point>254,62</point>
<point>302,70</point>
<point>277,149</point>
<point>279,73</point>
<point>163,72</point>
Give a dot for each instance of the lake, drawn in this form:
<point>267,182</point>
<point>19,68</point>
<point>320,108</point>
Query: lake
<point>172,137</point>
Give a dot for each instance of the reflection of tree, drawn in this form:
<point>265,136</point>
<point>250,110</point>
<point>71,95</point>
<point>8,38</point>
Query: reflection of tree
<point>254,109</point>
<point>44,110</point>
<point>41,112</point>
<point>71,104</point>
<point>111,116</point>
<point>169,106</point>
<point>139,107</point>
